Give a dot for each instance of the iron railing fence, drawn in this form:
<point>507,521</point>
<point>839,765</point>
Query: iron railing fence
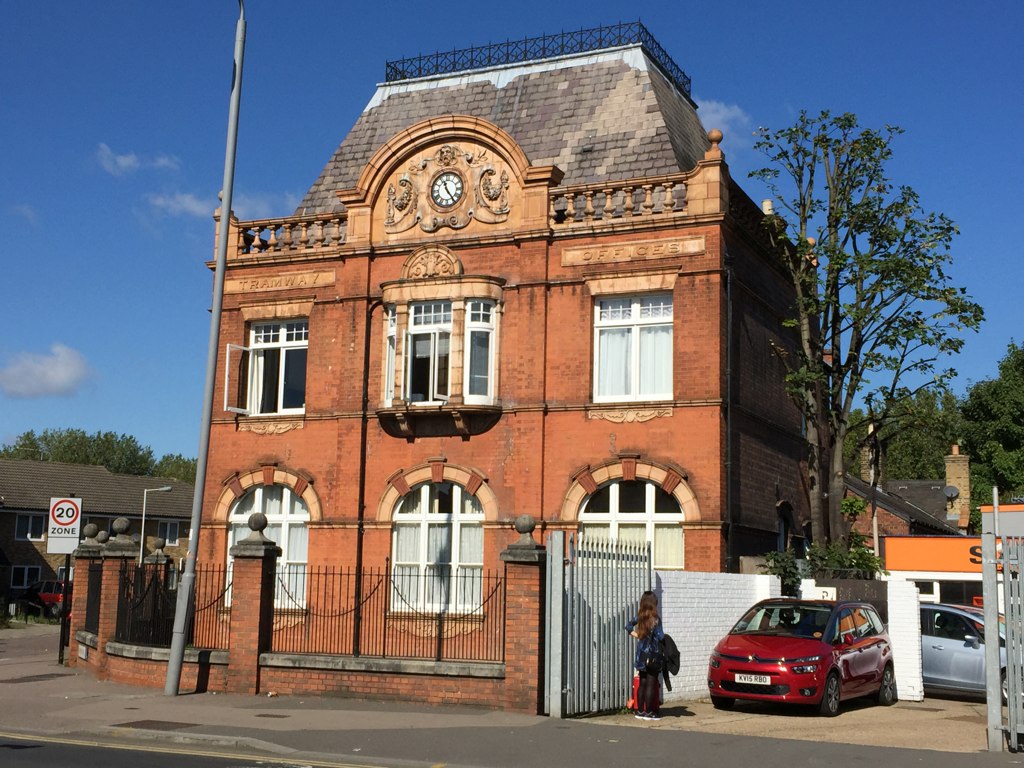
<point>535,48</point>
<point>399,613</point>
<point>94,593</point>
<point>209,626</point>
<point>146,599</point>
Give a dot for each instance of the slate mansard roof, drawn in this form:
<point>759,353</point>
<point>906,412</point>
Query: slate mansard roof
<point>603,115</point>
<point>27,486</point>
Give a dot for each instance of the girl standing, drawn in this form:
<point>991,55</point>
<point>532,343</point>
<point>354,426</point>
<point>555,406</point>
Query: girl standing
<point>646,628</point>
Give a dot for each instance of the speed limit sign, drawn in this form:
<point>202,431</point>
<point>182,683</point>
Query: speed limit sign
<point>63,525</point>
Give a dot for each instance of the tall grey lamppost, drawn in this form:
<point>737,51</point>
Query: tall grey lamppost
<point>142,536</point>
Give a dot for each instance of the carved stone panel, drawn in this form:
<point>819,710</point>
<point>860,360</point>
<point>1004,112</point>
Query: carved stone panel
<point>447,187</point>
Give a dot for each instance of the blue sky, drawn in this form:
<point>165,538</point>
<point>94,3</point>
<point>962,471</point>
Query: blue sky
<point>113,120</point>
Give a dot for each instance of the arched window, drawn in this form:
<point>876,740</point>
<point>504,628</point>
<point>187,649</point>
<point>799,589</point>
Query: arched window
<point>437,549</point>
<point>287,519</point>
<point>636,511</point>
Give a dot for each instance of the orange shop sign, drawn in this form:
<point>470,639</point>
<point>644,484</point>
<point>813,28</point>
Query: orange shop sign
<point>953,554</point>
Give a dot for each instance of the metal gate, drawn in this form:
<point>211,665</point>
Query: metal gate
<point>593,589</point>
<point>1011,558</point>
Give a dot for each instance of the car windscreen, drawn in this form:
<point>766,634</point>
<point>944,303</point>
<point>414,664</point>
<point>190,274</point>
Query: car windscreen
<point>791,619</point>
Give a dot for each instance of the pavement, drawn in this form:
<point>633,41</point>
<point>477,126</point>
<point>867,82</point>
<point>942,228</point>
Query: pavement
<point>41,699</point>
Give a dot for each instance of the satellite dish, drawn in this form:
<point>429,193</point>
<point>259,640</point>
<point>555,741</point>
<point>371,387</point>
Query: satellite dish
<point>950,492</point>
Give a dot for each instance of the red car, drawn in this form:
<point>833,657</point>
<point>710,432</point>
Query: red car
<point>804,652</point>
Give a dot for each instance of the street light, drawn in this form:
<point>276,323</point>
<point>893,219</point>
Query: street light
<point>142,536</point>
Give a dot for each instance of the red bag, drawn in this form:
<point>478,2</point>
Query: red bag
<point>631,704</point>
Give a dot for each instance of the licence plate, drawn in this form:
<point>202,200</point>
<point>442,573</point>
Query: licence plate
<point>754,679</point>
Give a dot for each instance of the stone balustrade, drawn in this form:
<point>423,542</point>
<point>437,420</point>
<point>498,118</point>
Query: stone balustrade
<point>295,233</point>
<point>592,203</point>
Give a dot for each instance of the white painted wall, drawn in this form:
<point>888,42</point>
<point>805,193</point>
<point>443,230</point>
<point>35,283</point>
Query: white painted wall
<point>698,609</point>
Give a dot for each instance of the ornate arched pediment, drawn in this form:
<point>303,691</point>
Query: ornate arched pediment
<point>431,261</point>
<point>448,186</point>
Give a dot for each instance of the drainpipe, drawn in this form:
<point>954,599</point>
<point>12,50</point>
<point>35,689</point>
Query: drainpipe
<point>730,548</point>
<point>364,422</point>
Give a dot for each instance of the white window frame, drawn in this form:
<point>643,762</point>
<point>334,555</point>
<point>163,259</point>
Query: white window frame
<point>284,336</point>
<point>420,509</point>
<point>616,518</point>
<point>633,314</point>
<point>390,351</point>
<point>431,320</point>
<point>26,532</point>
<point>27,576</point>
<point>283,520</point>
<point>163,531</point>
<point>480,319</point>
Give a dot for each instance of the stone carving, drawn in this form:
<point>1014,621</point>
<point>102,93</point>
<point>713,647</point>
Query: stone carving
<point>269,427</point>
<point>431,261</point>
<point>631,415</point>
<point>409,201</point>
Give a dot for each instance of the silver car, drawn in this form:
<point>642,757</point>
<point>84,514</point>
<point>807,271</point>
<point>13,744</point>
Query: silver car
<point>953,649</point>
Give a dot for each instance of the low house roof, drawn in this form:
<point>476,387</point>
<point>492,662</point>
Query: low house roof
<point>901,507</point>
<point>28,486</point>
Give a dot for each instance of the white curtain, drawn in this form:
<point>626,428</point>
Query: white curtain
<point>614,351</point>
<point>656,360</point>
<point>668,546</point>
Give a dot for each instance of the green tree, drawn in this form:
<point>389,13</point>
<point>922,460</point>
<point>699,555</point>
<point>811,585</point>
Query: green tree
<point>874,308</point>
<point>122,454</point>
<point>176,467</point>
<point>916,442</point>
<point>993,412</point>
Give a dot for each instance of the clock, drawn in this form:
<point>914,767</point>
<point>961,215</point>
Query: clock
<point>446,189</point>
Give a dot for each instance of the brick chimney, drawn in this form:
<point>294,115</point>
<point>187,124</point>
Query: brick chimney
<point>958,476</point>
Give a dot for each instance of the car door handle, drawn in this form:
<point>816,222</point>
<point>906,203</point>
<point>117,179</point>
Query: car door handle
<point>938,647</point>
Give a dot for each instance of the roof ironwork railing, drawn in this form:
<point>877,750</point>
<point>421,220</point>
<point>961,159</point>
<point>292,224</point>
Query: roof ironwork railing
<point>534,48</point>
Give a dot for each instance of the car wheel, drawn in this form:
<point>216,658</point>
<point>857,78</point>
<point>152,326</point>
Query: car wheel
<point>829,706</point>
<point>720,702</point>
<point>887,688</point>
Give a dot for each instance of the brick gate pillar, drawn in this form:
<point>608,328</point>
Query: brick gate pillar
<point>524,620</point>
<point>89,551</point>
<point>252,606</point>
<point>116,551</point>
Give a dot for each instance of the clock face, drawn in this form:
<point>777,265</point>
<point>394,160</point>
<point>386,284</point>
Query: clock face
<point>446,189</point>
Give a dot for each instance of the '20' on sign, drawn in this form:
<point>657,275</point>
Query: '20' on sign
<point>64,514</point>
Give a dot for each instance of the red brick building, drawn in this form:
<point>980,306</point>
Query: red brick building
<point>525,287</point>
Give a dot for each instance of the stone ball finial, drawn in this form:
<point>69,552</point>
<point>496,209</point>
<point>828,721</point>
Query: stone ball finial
<point>90,530</point>
<point>103,537</point>
<point>525,524</point>
<point>715,137</point>
<point>159,544</point>
<point>257,522</point>
<point>120,526</point>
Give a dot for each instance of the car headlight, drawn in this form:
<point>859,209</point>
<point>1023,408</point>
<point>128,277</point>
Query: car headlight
<point>805,665</point>
<point>715,661</point>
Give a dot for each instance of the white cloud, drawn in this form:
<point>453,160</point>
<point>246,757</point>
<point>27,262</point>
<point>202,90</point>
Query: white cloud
<point>61,372</point>
<point>114,164</point>
<point>27,212</point>
<point>181,204</point>
<point>730,119</point>
<point>166,162</point>
<point>266,206</point>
